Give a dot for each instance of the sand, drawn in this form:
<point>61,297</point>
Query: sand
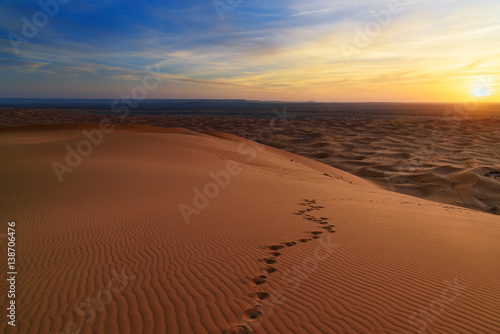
<point>452,160</point>
<point>276,243</point>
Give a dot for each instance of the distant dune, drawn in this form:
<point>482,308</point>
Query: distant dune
<point>155,230</point>
<point>444,160</point>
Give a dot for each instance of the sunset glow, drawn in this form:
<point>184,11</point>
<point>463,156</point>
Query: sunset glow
<point>411,50</point>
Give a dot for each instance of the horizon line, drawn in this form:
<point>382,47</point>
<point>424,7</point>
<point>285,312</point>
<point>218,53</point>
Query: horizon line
<point>245,100</point>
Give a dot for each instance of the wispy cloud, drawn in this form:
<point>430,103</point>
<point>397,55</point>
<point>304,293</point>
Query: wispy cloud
<point>279,50</point>
<point>317,11</point>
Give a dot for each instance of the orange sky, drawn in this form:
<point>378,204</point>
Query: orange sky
<point>331,51</point>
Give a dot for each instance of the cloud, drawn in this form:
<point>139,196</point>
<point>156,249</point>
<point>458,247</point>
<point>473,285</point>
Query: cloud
<point>291,49</point>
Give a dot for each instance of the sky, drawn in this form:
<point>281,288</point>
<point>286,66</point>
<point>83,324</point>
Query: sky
<point>295,50</point>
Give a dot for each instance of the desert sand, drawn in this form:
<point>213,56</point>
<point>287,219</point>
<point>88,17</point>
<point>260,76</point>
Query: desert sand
<point>452,160</point>
<point>174,231</point>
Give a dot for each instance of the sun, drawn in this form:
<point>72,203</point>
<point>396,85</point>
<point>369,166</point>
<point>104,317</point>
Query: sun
<point>481,91</point>
<point>483,87</point>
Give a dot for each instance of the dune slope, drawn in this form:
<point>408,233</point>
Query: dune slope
<point>173,231</point>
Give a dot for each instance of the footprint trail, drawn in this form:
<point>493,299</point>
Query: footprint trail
<point>254,316</point>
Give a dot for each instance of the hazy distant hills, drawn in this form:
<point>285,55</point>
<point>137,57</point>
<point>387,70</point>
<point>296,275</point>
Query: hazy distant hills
<point>241,105</point>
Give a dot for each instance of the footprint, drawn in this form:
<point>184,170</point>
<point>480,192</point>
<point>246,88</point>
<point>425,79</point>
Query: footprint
<point>304,240</point>
<point>258,280</point>
<point>260,294</point>
<point>270,269</point>
<point>316,232</point>
<point>269,260</point>
<point>315,237</point>
<point>291,243</point>
<point>276,247</point>
<point>276,254</point>
<point>252,314</point>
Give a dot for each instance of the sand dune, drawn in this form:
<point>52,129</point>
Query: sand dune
<point>445,159</point>
<point>175,231</point>
<point>449,161</point>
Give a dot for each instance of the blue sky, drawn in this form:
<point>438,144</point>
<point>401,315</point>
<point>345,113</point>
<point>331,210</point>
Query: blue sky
<point>289,50</point>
